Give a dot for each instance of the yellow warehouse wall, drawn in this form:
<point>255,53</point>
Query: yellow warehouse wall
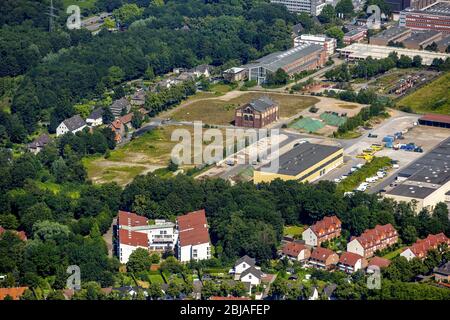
<point>259,176</point>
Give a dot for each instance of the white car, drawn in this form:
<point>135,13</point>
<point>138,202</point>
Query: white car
<point>353,169</point>
<point>359,165</point>
<point>395,166</point>
<point>337,180</point>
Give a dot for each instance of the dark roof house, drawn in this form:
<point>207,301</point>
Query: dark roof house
<point>74,123</point>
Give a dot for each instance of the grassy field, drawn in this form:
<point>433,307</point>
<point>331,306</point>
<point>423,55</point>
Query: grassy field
<point>432,98</point>
<point>293,230</point>
<point>150,152</point>
<point>220,112</point>
<point>368,170</point>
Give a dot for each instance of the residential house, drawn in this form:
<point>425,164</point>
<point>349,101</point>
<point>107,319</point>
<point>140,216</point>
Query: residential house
<point>243,264</point>
<point>130,291</point>
<point>322,258</point>
<point>39,143</point>
<point>235,74</point>
<point>95,118</point>
<point>377,263</point>
<point>442,273</point>
<point>126,120</point>
<point>297,30</point>
<point>421,247</point>
<point>314,295</point>
<point>138,99</point>
<point>372,240</point>
<point>193,237</point>
<point>350,262</point>
<point>257,113</point>
<point>20,234</point>
<point>73,124</point>
<point>326,229</point>
<point>202,70</point>
<point>328,291</point>
<point>252,275</point>
<point>14,293</point>
<point>136,231</point>
<point>119,129</point>
<point>217,298</point>
<point>119,105</point>
<point>296,251</point>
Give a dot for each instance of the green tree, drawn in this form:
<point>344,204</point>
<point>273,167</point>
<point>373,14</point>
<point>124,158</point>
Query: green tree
<point>139,260</point>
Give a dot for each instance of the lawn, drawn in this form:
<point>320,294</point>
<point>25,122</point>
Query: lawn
<point>221,112</point>
<point>432,98</point>
<point>155,278</point>
<point>368,170</point>
<point>393,254</point>
<point>293,230</point>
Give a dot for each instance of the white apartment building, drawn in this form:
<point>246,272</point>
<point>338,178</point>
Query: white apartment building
<point>329,44</point>
<point>136,231</point>
<point>313,7</point>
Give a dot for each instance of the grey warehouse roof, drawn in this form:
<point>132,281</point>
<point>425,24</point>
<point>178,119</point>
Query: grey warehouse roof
<point>391,32</point>
<point>433,167</point>
<point>412,191</point>
<point>277,60</point>
<point>303,157</point>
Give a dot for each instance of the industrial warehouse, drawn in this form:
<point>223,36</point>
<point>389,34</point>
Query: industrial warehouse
<point>427,180</point>
<point>306,162</point>
<point>307,56</point>
<point>435,120</point>
<point>359,51</point>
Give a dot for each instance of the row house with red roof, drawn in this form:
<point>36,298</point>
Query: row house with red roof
<point>373,240</point>
<point>296,251</point>
<point>350,262</point>
<point>193,237</point>
<point>421,247</point>
<point>322,258</point>
<point>326,229</point>
<point>134,231</point>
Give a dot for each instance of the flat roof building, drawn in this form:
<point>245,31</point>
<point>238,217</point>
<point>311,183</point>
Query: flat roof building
<point>359,51</point>
<point>434,17</point>
<point>329,44</point>
<point>426,180</point>
<point>435,120</point>
<point>443,45</point>
<point>394,34</point>
<point>421,39</point>
<point>355,35</point>
<point>313,7</point>
<point>305,163</point>
<point>307,56</point>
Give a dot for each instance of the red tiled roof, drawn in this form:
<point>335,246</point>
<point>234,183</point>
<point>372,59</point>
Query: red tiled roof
<point>131,219</point>
<point>14,293</point>
<point>192,228</point>
<point>373,236</point>
<point>293,249</point>
<point>229,298</point>
<point>321,254</point>
<point>349,258</point>
<point>126,118</point>
<point>116,125</point>
<point>422,246</point>
<point>21,234</point>
<point>326,225</point>
<point>133,238</point>
<point>436,117</point>
<point>379,262</point>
